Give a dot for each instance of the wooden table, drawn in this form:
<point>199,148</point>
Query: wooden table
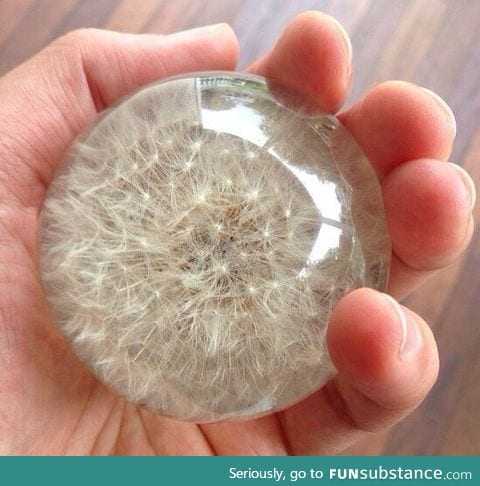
<point>435,43</point>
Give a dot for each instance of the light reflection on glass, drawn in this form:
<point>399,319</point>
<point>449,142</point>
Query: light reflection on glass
<point>323,193</point>
<point>328,238</point>
<point>239,120</point>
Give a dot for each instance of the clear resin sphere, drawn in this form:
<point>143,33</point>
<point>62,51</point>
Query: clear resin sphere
<point>198,236</point>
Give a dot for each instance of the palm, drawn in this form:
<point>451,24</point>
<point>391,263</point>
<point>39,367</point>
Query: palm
<point>51,403</point>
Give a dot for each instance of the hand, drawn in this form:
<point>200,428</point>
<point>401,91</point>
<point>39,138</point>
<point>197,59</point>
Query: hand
<point>385,354</point>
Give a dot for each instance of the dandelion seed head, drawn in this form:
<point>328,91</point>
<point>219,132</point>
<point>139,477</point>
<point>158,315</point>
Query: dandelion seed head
<point>192,258</point>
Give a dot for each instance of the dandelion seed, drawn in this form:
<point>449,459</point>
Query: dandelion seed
<point>196,145</point>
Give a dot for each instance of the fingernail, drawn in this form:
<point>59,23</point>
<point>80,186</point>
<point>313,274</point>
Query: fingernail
<point>346,39</point>
<point>467,180</point>
<point>199,32</point>
<point>411,336</point>
<point>445,108</point>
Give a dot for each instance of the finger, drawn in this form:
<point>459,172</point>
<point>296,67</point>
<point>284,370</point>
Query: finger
<point>123,62</point>
<point>404,279</point>
<point>312,57</point>
<point>428,206</point>
<point>398,121</point>
<point>53,96</point>
<point>387,362</point>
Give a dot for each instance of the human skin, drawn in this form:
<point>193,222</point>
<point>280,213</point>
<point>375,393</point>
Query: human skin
<point>385,354</point>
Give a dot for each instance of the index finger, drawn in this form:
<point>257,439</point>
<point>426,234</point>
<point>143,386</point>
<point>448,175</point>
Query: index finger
<point>313,58</point>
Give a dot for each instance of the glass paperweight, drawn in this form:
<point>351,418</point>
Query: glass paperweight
<point>197,237</point>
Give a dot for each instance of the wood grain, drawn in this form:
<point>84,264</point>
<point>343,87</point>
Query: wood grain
<point>434,43</point>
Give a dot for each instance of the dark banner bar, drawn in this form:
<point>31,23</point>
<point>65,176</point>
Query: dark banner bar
<point>238,470</point>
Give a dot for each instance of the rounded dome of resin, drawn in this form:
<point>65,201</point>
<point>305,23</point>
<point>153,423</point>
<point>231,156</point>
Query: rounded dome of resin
<point>197,238</point>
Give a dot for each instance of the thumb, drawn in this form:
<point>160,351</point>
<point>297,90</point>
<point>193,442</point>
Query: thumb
<point>387,361</point>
